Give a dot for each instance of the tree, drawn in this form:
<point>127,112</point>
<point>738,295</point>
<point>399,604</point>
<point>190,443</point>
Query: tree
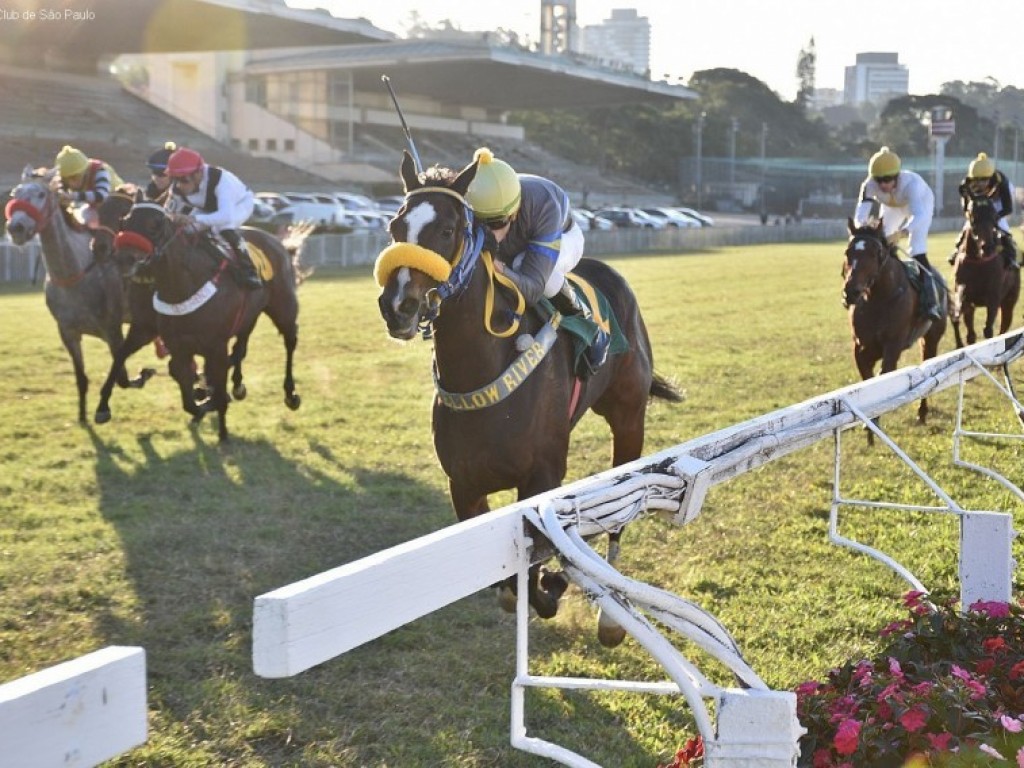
<point>805,65</point>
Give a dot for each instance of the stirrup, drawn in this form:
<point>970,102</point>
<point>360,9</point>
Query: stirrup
<point>595,355</point>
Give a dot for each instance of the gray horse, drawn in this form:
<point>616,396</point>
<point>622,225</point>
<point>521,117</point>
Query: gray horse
<point>85,296</point>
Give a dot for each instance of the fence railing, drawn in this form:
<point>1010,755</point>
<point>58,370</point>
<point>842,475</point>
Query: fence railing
<point>309,622</point>
<point>18,263</point>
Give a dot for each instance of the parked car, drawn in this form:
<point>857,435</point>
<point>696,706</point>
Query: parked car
<point>703,218</point>
<point>390,203</point>
<point>629,217</point>
<point>355,202</point>
<point>673,218</point>
<point>588,221</point>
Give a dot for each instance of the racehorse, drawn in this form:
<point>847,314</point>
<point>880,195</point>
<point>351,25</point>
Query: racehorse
<point>83,294</point>
<point>980,275</point>
<point>883,306</point>
<point>199,307</point>
<point>520,440</point>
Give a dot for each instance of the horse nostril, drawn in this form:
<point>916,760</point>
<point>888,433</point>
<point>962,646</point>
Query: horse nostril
<point>409,306</point>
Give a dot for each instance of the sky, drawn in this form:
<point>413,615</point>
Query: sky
<point>938,40</point>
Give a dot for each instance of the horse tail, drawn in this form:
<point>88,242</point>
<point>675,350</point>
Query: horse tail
<point>664,389</point>
<point>292,241</point>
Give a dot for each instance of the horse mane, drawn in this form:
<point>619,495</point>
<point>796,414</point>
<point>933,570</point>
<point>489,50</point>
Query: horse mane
<point>438,176</point>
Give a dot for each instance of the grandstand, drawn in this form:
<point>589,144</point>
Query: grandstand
<point>44,110</point>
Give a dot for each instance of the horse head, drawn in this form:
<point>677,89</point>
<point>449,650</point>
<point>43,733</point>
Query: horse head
<point>144,234</point>
<point>32,203</point>
<point>111,212</point>
<point>430,234</point>
<point>866,254</point>
<point>983,227</point>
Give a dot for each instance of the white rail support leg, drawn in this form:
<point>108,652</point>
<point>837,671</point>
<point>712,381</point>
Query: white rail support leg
<point>756,729</point>
<point>986,563</point>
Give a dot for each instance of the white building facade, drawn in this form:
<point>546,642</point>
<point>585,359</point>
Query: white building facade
<point>877,77</point>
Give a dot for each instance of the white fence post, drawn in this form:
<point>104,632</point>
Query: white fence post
<point>986,562</point>
<point>755,729</point>
<point>76,714</point>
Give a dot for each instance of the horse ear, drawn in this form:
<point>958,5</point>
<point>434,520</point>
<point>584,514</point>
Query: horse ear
<point>27,172</point>
<point>465,178</point>
<point>410,179</point>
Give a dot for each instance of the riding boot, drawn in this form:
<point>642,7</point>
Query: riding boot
<point>929,300</point>
<point>245,270</point>
<point>567,303</point>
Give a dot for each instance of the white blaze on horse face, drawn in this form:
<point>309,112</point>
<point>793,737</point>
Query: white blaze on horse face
<point>418,218</point>
<point>402,278</point>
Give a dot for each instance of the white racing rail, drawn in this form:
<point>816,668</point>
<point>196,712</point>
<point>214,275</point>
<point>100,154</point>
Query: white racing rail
<point>312,621</point>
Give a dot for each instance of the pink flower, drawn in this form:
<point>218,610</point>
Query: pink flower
<point>992,751</point>
<point>913,598</point>
<point>808,689</point>
<point>1012,724</point>
<point>939,741</point>
<point>914,719</point>
<point>992,608</point>
<point>847,736</point>
<point>823,758</point>
<point>1020,758</point>
<point>960,672</point>
<point>895,669</point>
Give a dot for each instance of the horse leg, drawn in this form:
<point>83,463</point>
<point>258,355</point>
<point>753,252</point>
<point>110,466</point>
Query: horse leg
<point>239,350</point>
<point>215,368</point>
<point>182,371</point>
<point>137,338</point>
<point>968,312</point>
<point>73,344</point>
<point>990,320</point>
<point>865,362</point>
<point>284,319</point>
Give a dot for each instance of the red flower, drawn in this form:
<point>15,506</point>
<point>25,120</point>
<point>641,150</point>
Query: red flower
<point>939,741</point>
<point>994,645</point>
<point>1017,671</point>
<point>914,719</point>
<point>847,736</point>
<point>984,666</point>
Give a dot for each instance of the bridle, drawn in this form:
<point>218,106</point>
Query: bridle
<point>863,238</point>
<point>992,244</point>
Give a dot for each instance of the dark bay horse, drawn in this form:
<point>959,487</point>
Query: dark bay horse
<point>521,440</point>
<point>84,294</point>
<point>883,306</point>
<point>981,277</point>
<point>200,308</point>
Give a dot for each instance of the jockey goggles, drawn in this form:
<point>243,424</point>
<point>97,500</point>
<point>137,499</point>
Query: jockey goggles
<point>886,179</point>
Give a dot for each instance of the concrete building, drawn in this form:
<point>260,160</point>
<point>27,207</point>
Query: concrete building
<point>624,40</point>
<point>876,78</point>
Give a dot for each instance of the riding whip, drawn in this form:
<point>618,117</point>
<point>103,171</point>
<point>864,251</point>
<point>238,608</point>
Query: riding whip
<point>405,126</point>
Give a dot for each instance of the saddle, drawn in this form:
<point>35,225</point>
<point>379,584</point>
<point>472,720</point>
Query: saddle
<point>582,329</point>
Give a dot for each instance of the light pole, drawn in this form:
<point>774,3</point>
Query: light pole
<point>733,127</point>
<point>764,190</point>
<point>699,149</point>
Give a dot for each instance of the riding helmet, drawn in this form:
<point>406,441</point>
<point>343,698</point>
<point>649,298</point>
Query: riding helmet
<point>71,161</point>
<point>884,162</point>
<point>495,192</point>
<point>981,167</point>
<point>157,162</point>
<point>184,162</point>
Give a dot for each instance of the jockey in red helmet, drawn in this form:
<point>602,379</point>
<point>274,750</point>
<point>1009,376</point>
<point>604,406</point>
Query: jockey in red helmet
<point>217,200</point>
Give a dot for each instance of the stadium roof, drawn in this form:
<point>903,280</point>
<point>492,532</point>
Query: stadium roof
<point>473,71</point>
<point>71,33</point>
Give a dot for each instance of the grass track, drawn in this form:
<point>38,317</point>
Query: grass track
<point>144,531</point>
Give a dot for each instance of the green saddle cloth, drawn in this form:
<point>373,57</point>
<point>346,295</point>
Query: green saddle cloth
<point>583,330</point>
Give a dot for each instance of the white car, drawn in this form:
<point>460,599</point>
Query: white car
<point>703,218</point>
<point>673,218</point>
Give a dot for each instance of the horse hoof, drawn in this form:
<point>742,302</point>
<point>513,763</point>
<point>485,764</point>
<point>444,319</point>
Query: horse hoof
<point>293,402</point>
<point>146,374</point>
<point>239,392</point>
<point>609,634</point>
<point>507,599</point>
<point>102,417</point>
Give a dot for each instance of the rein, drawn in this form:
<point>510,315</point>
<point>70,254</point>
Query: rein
<point>41,217</point>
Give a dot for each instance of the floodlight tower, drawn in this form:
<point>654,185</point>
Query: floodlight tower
<point>557,26</point>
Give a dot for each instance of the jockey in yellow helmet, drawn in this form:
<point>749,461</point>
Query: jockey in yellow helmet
<point>538,241</point>
<point>85,180</point>
<point>906,203</point>
<point>983,180</point>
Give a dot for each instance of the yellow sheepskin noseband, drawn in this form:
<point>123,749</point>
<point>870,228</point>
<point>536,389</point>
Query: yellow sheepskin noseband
<point>413,256</point>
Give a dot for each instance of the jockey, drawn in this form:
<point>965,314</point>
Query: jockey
<point>85,180</point>
<point>983,180</point>
<point>538,239</point>
<point>159,181</point>
<point>907,204</point>
<point>217,200</point>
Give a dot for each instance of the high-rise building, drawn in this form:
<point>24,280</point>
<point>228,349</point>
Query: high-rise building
<point>623,40</point>
<point>876,77</point>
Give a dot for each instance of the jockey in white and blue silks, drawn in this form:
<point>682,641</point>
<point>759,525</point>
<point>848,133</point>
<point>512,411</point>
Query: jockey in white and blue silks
<point>906,203</point>
<point>538,239</point>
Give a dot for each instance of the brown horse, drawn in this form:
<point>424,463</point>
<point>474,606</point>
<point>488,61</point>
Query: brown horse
<point>883,306</point>
<point>199,307</point>
<point>981,276</point>
<point>84,294</point>
<point>520,438</point>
